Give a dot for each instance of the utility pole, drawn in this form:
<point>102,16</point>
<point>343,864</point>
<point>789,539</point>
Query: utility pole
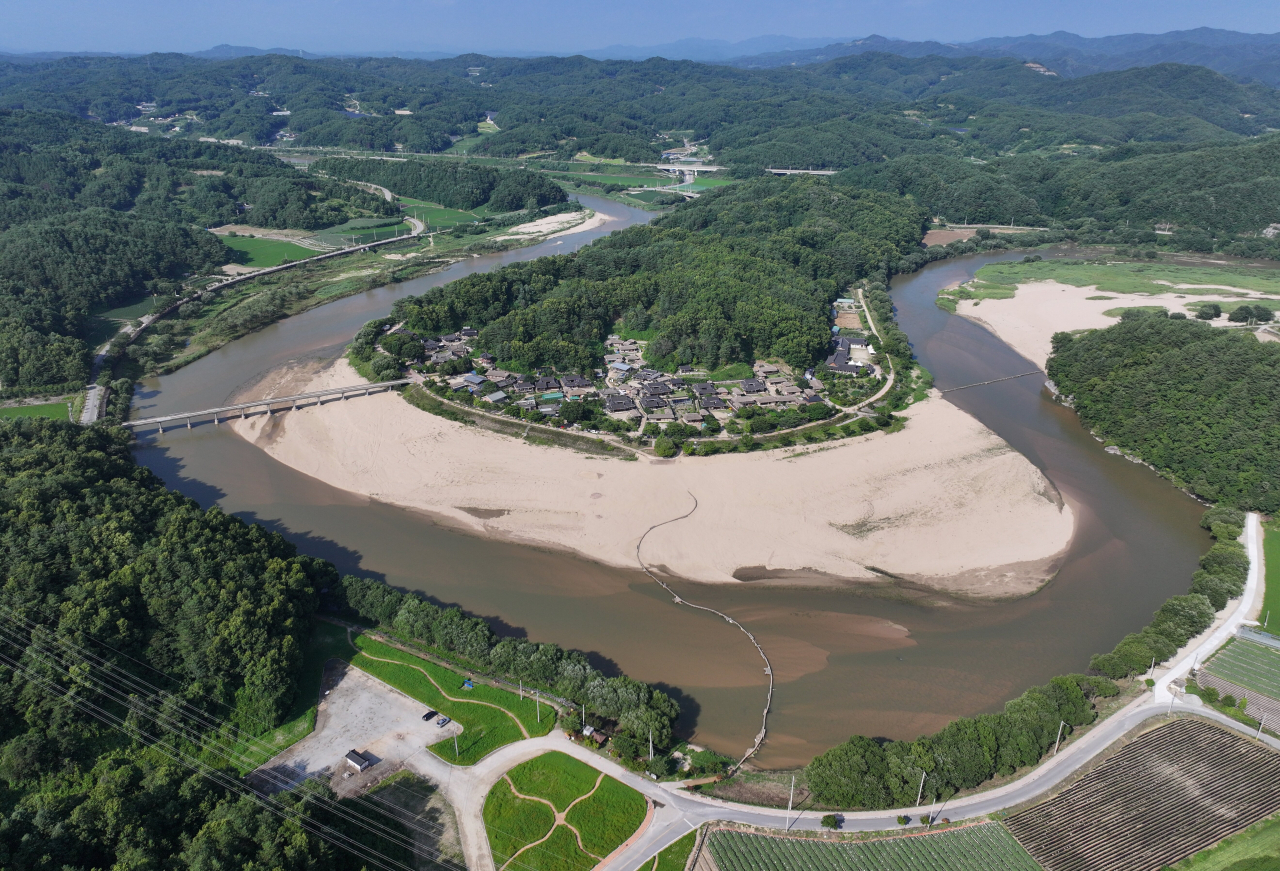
<point>1261,723</point>
<point>920,791</point>
<point>1152,670</point>
<point>1061,723</point>
<point>522,690</point>
<point>650,743</point>
<point>455,747</point>
<point>789,801</point>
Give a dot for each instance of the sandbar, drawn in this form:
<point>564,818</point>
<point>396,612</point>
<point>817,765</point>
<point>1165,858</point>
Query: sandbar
<point>1027,321</point>
<point>944,504</point>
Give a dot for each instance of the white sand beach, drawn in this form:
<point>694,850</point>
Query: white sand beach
<point>945,503</point>
<point>1028,320</point>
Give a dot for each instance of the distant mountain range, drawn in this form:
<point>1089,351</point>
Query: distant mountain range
<point>1241,55</point>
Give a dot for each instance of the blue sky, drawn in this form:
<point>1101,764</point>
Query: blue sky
<point>558,26</point>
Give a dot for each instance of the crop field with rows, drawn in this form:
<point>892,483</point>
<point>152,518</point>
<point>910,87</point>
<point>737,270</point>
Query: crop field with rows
<point>1248,664</point>
<point>986,847</point>
<point>1172,792</point>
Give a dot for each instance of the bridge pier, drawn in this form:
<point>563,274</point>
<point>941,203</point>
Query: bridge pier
<point>215,420</point>
<point>188,423</point>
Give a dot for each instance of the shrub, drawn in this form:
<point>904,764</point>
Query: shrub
<point>1209,694</point>
<point>1222,514</point>
<point>664,447</point>
<point>1228,701</point>
<point>903,820</point>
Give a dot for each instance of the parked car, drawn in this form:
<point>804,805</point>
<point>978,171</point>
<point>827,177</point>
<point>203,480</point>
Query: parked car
<point>428,715</point>
<point>443,721</point>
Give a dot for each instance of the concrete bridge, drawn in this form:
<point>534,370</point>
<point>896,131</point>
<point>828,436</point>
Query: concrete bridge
<point>801,171</point>
<point>269,406</point>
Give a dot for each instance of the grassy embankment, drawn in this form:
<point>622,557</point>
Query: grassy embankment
<point>1257,848</point>
<point>603,811</point>
<point>485,728</point>
<point>487,714</point>
<point>1271,591</point>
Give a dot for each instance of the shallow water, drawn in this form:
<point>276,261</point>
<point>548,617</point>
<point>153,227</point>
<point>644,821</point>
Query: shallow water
<point>1136,544</point>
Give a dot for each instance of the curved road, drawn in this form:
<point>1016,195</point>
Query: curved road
<point>677,812</point>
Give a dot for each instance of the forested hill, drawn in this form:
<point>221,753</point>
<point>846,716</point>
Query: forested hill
<point>96,548</point>
<point>452,184</point>
<point>838,114</point>
<point>1196,402</point>
<point>92,217</point>
<point>747,272</point>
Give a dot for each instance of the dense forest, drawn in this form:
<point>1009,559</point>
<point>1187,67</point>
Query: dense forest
<point>848,111</point>
<point>455,185</point>
<point>745,273</point>
<point>112,580</point>
<point>873,774</point>
<point>97,553</point>
<point>1196,402</point>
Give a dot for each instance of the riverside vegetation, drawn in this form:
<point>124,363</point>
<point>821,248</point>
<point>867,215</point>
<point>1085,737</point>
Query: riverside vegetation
<point>1193,401</point>
<point>872,774</point>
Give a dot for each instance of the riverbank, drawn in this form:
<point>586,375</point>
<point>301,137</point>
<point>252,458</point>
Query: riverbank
<point>918,506</point>
<point>1038,309</point>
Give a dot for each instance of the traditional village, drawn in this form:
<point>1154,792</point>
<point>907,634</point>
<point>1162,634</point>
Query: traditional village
<point>628,395</point>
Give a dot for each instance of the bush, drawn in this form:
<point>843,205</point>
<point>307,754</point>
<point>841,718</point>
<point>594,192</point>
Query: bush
<point>1228,701</point>
<point>664,447</point>
<point>1208,311</point>
<point>904,820</point>
<point>707,762</point>
<point>1209,694</point>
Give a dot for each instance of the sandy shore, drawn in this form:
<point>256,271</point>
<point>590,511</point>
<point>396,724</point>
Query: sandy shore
<point>944,503</point>
<point>555,225</point>
<point>1039,309</point>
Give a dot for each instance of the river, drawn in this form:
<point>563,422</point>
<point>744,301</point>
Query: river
<point>1136,544</point>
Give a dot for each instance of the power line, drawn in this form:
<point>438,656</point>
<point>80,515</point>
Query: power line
<point>229,784</point>
<point>184,731</point>
<point>193,736</point>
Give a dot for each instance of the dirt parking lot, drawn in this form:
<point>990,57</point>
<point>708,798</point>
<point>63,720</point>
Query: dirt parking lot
<point>357,712</point>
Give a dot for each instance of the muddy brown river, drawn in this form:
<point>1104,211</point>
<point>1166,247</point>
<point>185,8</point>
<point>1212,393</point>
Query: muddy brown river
<point>1137,543</point>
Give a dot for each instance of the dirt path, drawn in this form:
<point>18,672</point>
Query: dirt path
<point>514,718</point>
<point>560,818</point>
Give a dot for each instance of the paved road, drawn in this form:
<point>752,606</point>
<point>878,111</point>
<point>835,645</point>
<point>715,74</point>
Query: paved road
<point>677,812</point>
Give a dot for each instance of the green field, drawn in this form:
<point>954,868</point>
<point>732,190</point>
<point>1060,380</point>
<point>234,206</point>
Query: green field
<point>1257,848</point>
<point>602,811</point>
<point>987,847</point>
<point>438,217</point>
<point>636,181</point>
<point>607,817</point>
<point>1271,591</point>
<point>1132,277</point>
<point>672,858</point>
<point>267,252</point>
<point>556,777</point>
<point>55,410</point>
<point>703,184</point>
<point>732,372</point>
<point>485,728</point>
<point>1250,665</point>
<point>130,312</point>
